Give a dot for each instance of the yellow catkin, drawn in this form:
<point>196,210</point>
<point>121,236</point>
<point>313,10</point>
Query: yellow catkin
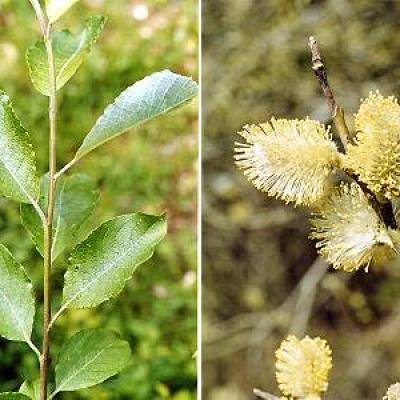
<point>303,366</point>
<point>290,160</point>
<point>375,156</point>
<point>349,232</point>
<point>393,393</point>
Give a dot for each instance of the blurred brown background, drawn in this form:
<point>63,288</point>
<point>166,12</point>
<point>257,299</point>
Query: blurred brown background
<point>256,251</point>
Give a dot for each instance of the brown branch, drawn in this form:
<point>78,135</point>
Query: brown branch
<point>383,207</point>
<point>322,76</point>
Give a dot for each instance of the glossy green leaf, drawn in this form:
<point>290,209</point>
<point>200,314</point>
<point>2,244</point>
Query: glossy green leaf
<point>76,198</point>
<point>69,53</point>
<point>13,396</point>
<point>17,304</point>
<point>101,265</point>
<point>57,8</point>
<point>89,358</point>
<point>146,99</point>
<point>31,389</point>
<point>18,178</point>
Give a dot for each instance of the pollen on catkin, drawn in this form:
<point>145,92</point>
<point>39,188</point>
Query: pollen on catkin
<point>375,156</point>
<point>393,393</point>
<point>303,366</point>
<point>350,233</point>
<point>290,160</point>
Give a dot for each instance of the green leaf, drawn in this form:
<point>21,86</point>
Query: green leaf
<point>57,8</point>
<point>146,99</point>
<point>76,198</point>
<point>13,396</point>
<point>101,265</point>
<point>18,178</point>
<point>69,53</point>
<point>31,389</point>
<point>17,304</point>
<point>89,358</point>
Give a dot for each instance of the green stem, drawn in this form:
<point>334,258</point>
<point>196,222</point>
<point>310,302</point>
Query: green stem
<point>48,229</point>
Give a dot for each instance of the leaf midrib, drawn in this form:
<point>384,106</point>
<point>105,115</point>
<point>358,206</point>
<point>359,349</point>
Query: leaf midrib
<point>104,272</point>
<point>59,389</point>
<point>147,119</point>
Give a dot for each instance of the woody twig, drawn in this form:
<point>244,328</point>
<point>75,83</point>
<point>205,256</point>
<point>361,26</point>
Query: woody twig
<point>382,206</point>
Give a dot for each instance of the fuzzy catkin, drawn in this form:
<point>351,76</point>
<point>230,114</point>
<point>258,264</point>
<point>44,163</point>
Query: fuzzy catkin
<point>393,393</point>
<point>298,162</point>
<point>291,160</point>
<point>375,156</point>
<point>349,233</point>
<point>303,366</point>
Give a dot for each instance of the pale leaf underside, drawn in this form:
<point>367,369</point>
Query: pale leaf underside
<point>154,95</point>
<point>57,8</point>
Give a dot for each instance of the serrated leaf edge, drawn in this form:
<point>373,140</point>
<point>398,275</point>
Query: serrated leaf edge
<point>26,336</point>
<point>30,69</point>
<point>6,100</point>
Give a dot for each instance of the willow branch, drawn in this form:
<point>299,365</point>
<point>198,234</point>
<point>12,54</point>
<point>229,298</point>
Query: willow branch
<point>322,76</point>
<point>383,207</point>
<point>48,231</point>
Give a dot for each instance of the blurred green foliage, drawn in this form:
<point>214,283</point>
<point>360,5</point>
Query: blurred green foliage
<point>152,169</point>
<point>256,64</point>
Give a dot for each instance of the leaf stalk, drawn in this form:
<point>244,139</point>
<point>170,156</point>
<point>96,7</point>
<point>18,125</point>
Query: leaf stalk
<point>66,167</point>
